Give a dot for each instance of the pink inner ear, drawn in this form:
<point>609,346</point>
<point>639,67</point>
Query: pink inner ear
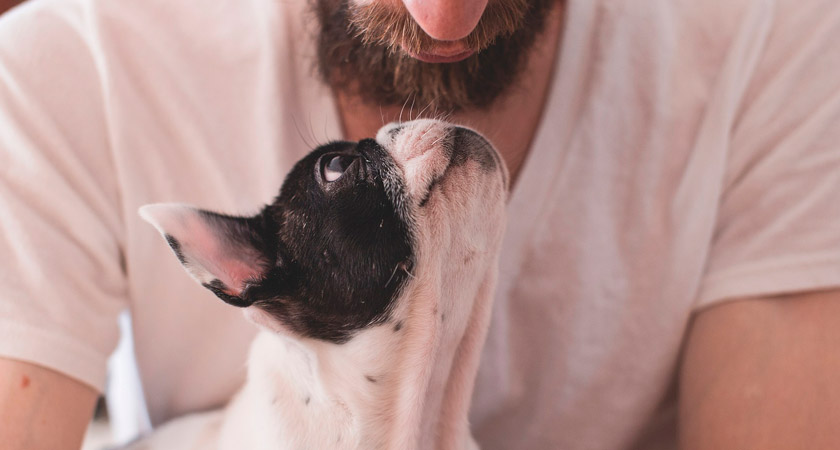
<point>221,256</point>
<point>238,274</point>
<point>210,253</point>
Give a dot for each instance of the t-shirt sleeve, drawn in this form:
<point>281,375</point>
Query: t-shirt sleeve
<point>778,228</point>
<point>62,282</point>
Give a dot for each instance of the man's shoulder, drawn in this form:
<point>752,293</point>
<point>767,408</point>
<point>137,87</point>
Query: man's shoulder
<point>154,28</point>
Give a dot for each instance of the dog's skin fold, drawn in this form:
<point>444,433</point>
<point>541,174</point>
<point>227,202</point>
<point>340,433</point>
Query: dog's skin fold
<point>371,277</point>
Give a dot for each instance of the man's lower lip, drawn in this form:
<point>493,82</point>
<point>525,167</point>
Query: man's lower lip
<point>438,59</point>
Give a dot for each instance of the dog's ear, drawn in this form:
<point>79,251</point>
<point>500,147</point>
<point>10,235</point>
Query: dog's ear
<point>226,254</point>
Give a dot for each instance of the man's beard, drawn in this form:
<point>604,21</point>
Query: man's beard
<point>361,52</point>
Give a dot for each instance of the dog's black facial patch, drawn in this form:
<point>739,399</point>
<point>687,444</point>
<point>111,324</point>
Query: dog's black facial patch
<point>340,235</point>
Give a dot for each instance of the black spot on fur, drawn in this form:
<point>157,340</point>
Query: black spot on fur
<point>394,131</point>
<point>398,326</point>
<point>371,379</point>
<point>307,400</point>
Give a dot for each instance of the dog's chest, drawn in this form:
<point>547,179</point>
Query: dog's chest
<point>296,398</point>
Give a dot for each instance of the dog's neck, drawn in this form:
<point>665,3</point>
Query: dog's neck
<point>402,384</point>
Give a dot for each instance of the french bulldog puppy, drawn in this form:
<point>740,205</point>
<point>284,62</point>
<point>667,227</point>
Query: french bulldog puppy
<point>371,277</point>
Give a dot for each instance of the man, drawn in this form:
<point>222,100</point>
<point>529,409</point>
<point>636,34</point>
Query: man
<point>670,272</point>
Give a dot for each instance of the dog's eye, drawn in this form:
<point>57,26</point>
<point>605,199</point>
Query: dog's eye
<point>335,166</point>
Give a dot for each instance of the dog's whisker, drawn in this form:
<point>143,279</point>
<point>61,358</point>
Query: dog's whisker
<point>404,268</point>
<point>411,108</point>
<point>442,116</point>
<point>403,109</point>
<point>312,129</point>
<point>300,133</point>
<point>428,105</point>
<point>326,134</point>
<point>393,273</point>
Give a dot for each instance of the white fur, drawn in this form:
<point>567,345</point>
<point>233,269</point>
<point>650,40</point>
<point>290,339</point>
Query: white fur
<point>310,394</point>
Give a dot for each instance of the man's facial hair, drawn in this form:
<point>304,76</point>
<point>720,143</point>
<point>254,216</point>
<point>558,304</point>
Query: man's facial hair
<point>362,52</point>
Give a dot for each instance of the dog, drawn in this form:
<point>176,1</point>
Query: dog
<point>371,277</point>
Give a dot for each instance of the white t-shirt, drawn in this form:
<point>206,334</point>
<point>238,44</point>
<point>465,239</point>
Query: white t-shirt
<point>689,154</point>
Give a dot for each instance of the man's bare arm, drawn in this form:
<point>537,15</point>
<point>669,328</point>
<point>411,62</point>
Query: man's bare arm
<point>763,374</point>
<point>42,409</point>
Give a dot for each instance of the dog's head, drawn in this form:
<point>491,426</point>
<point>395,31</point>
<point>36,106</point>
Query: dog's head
<point>353,224</point>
